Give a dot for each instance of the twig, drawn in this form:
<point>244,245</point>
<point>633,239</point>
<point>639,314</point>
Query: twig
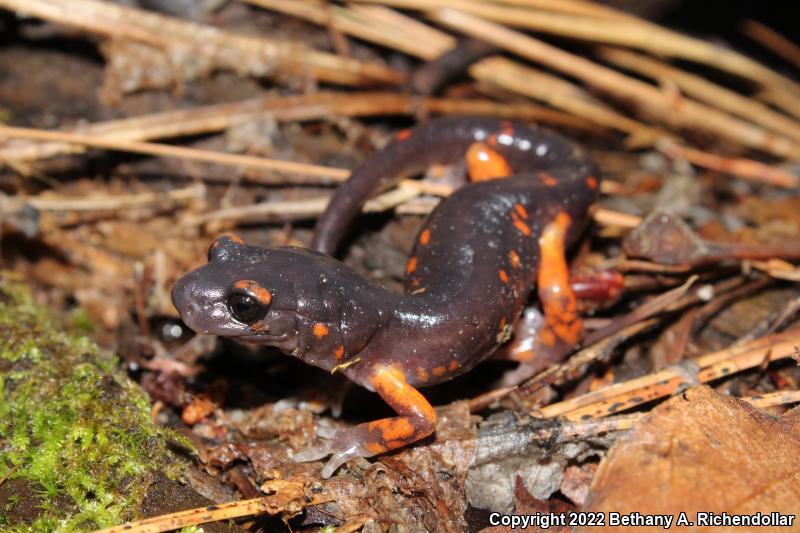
<point>688,114</point>
<point>622,396</point>
<point>374,24</point>
<point>772,40</point>
<point>629,31</point>
<point>705,91</point>
<point>321,105</point>
<point>256,56</point>
<point>622,422</point>
<point>289,496</point>
<point>103,202</point>
<point>326,174</point>
<point>744,168</point>
<point>560,94</point>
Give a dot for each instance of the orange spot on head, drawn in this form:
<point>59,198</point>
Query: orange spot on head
<point>503,276</point>
<point>422,374</point>
<point>484,163</point>
<point>439,371</point>
<point>547,179</point>
<point>520,225</point>
<point>425,237</point>
<point>255,290</point>
<point>513,259</point>
<point>339,353</point>
<point>411,266</point>
<point>591,181</point>
<point>320,330</point>
<point>453,366</point>
<point>402,135</point>
<point>521,211</point>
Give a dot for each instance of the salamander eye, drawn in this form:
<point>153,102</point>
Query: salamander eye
<point>245,308</point>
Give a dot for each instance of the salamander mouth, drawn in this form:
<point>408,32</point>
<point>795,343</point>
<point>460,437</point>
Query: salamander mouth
<point>263,338</point>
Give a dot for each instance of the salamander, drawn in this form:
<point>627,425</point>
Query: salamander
<point>477,258</point>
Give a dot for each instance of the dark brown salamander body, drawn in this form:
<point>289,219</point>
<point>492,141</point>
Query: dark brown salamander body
<point>475,262</point>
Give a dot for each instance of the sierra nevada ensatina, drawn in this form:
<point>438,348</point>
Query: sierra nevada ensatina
<point>476,259</point>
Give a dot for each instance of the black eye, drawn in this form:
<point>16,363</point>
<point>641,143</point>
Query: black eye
<point>245,308</point>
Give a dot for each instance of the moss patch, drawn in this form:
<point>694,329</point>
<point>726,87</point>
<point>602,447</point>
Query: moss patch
<point>77,443</point>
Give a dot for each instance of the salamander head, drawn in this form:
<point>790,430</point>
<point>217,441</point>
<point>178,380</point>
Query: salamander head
<point>289,298</point>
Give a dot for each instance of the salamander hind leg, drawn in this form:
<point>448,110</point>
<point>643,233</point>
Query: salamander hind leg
<point>539,342</point>
<point>417,420</point>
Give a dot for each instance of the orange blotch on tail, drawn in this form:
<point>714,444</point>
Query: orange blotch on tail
<point>513,259</point>
<point>485,163</point>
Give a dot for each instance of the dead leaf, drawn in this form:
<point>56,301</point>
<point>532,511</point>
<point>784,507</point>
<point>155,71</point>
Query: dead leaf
<point>701,452</point>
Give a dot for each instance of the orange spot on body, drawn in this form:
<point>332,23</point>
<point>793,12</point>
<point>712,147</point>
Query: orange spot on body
<point>320,330</point>
<point>484,163</point>
<point>422,374</point>
<point>439,371</point>
<point>339,353</point>
<point>591,181</point>
<point>254,289</point>
<point>547,179</point>
<point>503,276</point>
<point>521,226</point>
<point>513,259</point>
<point>403,135</point>
<point>521,211</point>
<point>425,237</point>
<point>411,266</point>
<point>453,366</point>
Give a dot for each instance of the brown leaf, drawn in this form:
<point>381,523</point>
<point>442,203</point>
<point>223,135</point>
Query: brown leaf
<point>702,452</point>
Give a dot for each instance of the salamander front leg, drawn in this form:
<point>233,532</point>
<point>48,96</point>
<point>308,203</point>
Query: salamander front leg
<point>417,420</point>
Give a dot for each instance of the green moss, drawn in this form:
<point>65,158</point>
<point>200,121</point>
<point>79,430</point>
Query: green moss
<point>73,427</point>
